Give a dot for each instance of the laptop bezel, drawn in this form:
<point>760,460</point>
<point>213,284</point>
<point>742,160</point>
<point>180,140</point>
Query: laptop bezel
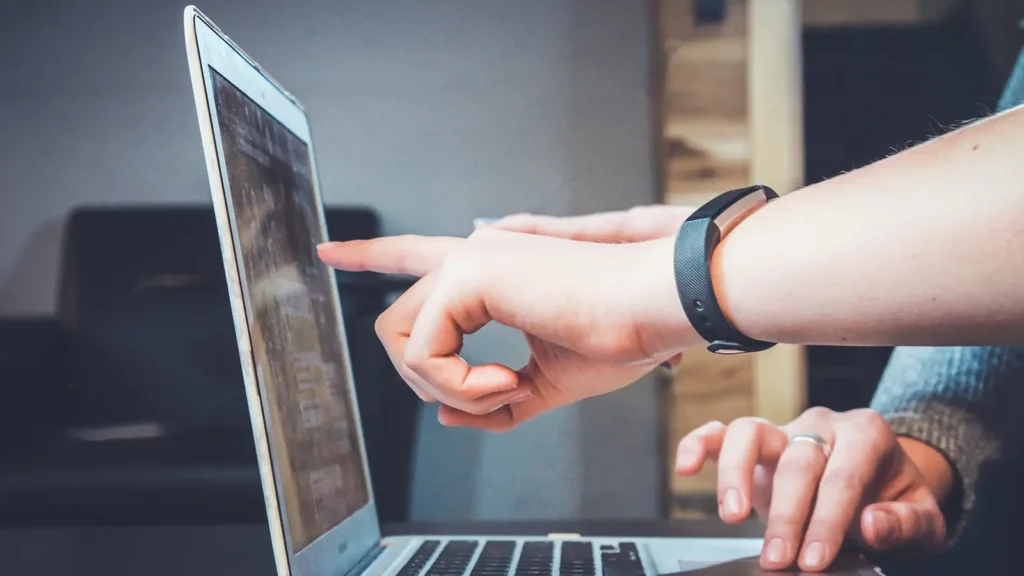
<point>343,547</point>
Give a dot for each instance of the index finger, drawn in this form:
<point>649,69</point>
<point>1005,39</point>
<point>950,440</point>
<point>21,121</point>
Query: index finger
<point>637,224</point>
<point>408,254</point>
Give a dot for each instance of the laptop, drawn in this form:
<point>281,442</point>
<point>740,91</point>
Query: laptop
<point>298,381</point>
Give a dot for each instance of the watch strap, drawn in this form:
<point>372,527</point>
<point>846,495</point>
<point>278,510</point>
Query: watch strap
<point>695,243</point>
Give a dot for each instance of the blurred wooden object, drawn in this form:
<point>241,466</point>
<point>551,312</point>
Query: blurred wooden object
<point>707,142</point>
<point>704,101</point>
<point>731,114</point>
<point>775,108</point>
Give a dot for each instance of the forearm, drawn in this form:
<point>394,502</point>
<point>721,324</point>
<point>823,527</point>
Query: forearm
<point>923,248</point>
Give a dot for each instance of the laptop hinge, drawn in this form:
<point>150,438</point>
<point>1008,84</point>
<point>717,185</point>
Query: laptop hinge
<point>365,561</point>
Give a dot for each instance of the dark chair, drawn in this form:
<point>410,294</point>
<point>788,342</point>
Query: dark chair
<point>130,406</point>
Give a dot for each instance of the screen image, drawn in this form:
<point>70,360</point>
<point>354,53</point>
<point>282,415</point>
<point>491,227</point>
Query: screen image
<point>300,361</point>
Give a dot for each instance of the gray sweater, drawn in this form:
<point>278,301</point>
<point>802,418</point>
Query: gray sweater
<point>966,402</point>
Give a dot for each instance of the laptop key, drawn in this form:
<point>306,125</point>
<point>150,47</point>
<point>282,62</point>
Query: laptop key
<point>577,559</point>
<point>419,559</point>
<point>536,559</point>
<point>495,559</point>
<point>453,559</point>
<point>625,562</point>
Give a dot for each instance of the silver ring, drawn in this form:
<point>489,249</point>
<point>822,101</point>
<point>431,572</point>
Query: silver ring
<point>814,439</point>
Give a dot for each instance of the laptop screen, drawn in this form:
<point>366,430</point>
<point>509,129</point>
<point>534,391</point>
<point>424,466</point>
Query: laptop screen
<point>301,363</point>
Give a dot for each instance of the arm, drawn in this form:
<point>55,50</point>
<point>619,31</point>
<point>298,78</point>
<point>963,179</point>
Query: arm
<point>956,406</point>
<point>925,247</point>
<point>892,254</point>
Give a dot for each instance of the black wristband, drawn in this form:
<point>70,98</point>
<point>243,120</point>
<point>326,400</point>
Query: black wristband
<point>695,243</point>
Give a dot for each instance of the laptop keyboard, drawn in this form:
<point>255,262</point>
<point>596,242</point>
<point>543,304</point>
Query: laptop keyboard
<point>577,559</point>
<point>423,554</point>
<point>495,559</point>
<point>535,558</point>
<point>622,562</point>
<point>454,559</point>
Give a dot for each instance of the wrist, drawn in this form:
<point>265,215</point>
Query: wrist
<point>934,467</point>
<point>738,279</point>
<point>698,283</point>
<point>659,317</point>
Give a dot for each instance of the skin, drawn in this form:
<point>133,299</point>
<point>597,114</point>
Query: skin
<point>891,254</point>
<point>885,489</point>
<point>922,248</point>
<point>880,490</point>
<point>891,504</point>
<point>584,338</point>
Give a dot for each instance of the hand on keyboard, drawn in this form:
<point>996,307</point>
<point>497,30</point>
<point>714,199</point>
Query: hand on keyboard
<point>842,474</point>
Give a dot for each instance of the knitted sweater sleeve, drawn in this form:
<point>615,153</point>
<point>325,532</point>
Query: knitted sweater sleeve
<point>966,402</point>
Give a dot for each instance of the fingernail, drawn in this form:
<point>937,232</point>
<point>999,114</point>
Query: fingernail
<point>814,556</point>
<point>732,502</point>
<point>884,524</point>
<point>520,396</point>
<point>775,551</point>
<point>324,245</point>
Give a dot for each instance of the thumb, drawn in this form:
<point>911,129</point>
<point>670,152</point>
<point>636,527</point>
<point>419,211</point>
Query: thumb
<point>891,525</point>
<point>542,398</point>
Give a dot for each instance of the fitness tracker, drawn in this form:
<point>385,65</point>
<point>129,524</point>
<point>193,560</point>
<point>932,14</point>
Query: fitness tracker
<point>695,243</point>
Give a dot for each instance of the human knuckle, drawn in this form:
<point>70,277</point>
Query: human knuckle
<point>747,425</point>
<point>818,413</point>
<point>869,428</point>
<point>416,360</point>
<point>868,418</point>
